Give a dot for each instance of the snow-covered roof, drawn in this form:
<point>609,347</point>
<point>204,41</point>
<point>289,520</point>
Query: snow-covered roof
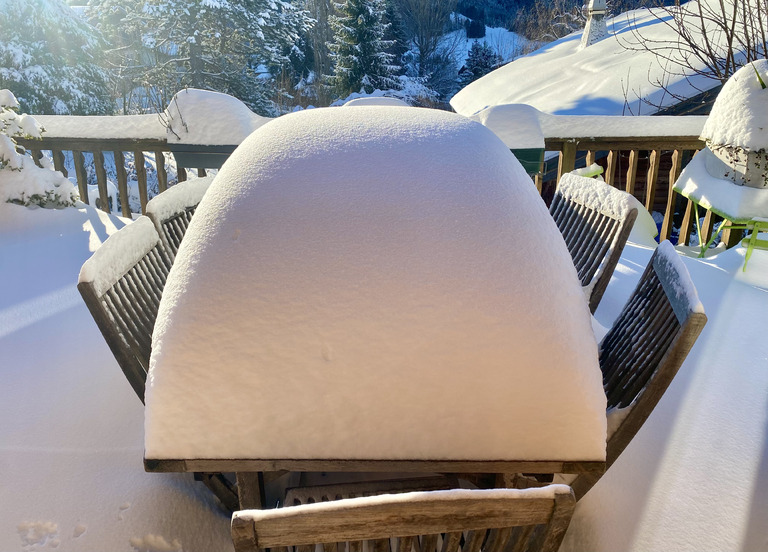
<point>562,78</point>
<point>375,277</point>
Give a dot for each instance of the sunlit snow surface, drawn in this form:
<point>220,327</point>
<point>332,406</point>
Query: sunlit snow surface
<point>696,477</point>
<point>368,266</point>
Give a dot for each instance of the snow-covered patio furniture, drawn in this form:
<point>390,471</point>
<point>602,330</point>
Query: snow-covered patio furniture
<point>595,220</point>
<point>295,496</point>
<point>364,290</point>
<point>172,211</point>
<point>122,284</point>
<point>438,521</point>
<point>644,349</point>
<point>730,176</point>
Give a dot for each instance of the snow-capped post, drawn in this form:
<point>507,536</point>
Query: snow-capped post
<point>595,29</point>
<point>736,131</point>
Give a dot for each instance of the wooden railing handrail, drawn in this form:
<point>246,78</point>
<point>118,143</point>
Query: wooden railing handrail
<point>643,165</point>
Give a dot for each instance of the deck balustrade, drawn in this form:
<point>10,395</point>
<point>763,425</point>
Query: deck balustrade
<point>643,165</point>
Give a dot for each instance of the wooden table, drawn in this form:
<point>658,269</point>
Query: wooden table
<point>358,291</point>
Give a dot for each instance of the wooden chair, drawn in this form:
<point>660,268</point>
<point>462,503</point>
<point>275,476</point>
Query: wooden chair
<point>122,284</point>
<point>172,211</point>
<point>595,220</point>
<point>458,520</point>
<point>644,349</point>
<point>296,496</point>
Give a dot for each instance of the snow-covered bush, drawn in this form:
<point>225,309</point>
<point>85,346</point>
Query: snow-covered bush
<point>21,181</point>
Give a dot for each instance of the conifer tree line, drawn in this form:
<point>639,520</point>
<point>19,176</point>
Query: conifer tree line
<point>131,56</point>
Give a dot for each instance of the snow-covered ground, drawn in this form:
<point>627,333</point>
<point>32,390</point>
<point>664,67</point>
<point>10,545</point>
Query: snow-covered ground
<point>71,442</point>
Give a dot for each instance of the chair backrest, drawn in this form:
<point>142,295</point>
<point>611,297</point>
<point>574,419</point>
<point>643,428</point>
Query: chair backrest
<point>645,347</point>
<point>172,210</point>
<point>295,496</point>
<point>122,284</point>
<point>595,220</point>
<point>433,521</point>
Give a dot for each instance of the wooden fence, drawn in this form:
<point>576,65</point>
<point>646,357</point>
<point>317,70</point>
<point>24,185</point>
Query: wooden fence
<point>645,166</point>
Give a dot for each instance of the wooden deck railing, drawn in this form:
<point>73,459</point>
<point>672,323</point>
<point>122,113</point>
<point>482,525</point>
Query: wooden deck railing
<point>645,166</point>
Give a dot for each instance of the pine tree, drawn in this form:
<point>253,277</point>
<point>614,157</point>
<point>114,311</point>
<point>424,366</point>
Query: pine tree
<point>231,46</point>
<point>360,50</point>
<point>51,59</point>
<point>480,61</point>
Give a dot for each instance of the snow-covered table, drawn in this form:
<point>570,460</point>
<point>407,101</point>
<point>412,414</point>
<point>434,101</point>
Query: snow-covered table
<point>376,289</point>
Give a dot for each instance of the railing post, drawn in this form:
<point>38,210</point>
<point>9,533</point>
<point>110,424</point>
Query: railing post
<point>669,214</point>
<point>162,174</point>
<point>611,167</point>
<point>567,158</point>
<point>101,180</point>
<point>141,176</point>
<point>632,172</point>
<point>58,162</point>
<point>685,226</point>
<point>82,177</point>
<point>652,180</point>
<point>122,183</point>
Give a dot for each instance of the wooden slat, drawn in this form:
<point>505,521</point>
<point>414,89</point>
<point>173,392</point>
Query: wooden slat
<point>58,162</point>
<point>432,466</point>
<point>707,227</point>
<point>141,177</point>
<point>611,167</point>
<point>82,176</point>
<point>250,490</point>
<point>162,173</point>
<point>669,214</point>
<point>632,172</point>
<point>122,183</point>
<point>590,157</point>
<point>685,226</point>
<point>651,180</point>
<point>383,519</point>
<point>101,180</point>
<point>201,173</point>
<point>37,155</point>
<point>181,173</point>
<point>567,160</point>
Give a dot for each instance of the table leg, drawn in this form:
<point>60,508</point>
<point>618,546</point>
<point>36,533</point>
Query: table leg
<point>250,490</point>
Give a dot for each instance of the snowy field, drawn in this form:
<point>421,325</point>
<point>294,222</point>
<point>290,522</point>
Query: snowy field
<point>695,478</point>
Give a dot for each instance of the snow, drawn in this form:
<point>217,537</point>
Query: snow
<point>374,251</point>
<point>695,477</point>
<point>30,181</point>
<point>128,127</point>
<point>209,118</point>
<point>596,192</point>
<point>125,249</point>
<point>705,181</point>
<point>503,41</point>
<point>177,198</point>
<point>547,492</point>
<point>685,289</point>
<point>376,100</point>
<point>523,126</point>
<point>739,116</point>
<point>73,433</point>
<point>517,125</point>
<point>604,79</point>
